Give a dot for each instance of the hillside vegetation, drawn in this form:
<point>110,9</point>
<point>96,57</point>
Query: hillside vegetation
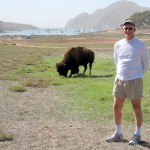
<point>142,19</point>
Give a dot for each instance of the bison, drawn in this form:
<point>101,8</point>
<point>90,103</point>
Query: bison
<point>73,58</point>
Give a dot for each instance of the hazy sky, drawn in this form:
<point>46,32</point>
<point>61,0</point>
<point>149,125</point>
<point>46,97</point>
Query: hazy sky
<point>51,13</point>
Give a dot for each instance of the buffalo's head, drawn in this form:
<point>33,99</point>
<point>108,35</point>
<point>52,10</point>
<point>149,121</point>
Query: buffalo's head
<point>62,69</point>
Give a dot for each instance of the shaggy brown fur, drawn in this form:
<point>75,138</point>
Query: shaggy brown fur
<point>73,58</point>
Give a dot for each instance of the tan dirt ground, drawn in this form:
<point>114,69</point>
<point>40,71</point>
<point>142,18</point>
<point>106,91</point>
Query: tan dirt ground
<point>38,120</point>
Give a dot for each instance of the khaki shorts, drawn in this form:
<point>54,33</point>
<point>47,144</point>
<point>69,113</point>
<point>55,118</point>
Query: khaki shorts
<point>131,89</point>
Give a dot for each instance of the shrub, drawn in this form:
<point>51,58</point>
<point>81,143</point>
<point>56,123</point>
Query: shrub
<point>36,82</point>
<point>6,137</point>
<point>18,88</point>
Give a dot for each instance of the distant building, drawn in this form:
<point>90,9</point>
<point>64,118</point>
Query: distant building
<point>28,37</point>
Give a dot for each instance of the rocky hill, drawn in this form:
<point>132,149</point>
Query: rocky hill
<point>9,26</point>
<point>141,19</point>
<point>108,18</point>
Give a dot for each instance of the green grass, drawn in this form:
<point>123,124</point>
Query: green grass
<point>90,97</point>
<point>18,88</point>
<point>6,137</point>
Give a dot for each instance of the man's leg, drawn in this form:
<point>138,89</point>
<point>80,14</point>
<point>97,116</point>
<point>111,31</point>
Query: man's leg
<point>138,121</point>
<point>117,107</point>
<point>138,112</point>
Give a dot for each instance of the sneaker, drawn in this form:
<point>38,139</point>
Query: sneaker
<point>135,139</point>
<point>115,138</point>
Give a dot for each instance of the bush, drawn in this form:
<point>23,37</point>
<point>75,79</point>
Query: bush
<point>6,137</point>
<point>18,88</point>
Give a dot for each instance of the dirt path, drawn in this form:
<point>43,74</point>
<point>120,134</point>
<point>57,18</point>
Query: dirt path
<point>59,47</point>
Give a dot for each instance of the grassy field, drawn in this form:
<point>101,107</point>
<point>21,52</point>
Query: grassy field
<point>31,64</point>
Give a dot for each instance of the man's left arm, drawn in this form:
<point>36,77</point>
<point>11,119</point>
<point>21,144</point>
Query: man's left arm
<point>145,59</point>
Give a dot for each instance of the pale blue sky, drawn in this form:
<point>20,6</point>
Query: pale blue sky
<point>51,13</point>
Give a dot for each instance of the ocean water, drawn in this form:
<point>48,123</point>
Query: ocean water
<point>45,32</point>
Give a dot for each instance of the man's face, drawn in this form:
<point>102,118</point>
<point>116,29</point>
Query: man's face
<point>129,31</point>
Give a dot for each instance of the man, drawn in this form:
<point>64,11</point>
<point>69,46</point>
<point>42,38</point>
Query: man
<point>132,61</point>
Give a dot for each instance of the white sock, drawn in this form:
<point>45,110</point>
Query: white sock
<point>118,129</point>
<point>137,131</point>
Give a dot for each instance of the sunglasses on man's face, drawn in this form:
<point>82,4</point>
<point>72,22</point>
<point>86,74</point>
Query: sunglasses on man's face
<point>128,28</point>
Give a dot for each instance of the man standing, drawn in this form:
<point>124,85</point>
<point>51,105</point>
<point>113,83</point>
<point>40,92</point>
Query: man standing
<point>132,61</point>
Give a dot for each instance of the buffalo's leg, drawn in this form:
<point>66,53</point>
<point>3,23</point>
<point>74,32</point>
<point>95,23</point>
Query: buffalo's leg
<point>90,67</point>
<point>74,70</point>
<point>85,68</point>
<point>70,75</point>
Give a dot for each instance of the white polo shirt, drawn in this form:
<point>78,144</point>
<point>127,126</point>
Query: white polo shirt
<point>131,59</point>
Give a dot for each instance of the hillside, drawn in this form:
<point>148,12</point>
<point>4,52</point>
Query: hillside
<point>108,18</point>
<point>9,26</point>
<point>141,19</point>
